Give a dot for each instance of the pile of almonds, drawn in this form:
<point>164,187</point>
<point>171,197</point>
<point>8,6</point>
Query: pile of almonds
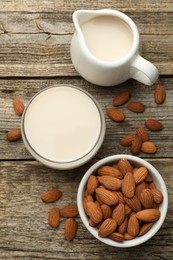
<point>69,212</point>
<point>122,201</point>
<point>138,141</point>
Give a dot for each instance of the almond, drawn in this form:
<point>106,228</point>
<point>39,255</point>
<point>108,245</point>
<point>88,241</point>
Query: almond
<point>133,226</point>
<point>139,188</point>
<point>51,196</point>
<point>140,175</point>
<point>136,107</point>
<point>133,203</point>
<point>157,195</point>
<point>69,211</point>
<point>107,227</point>
<point>110,171</point>
<point>128,210</point>
<point>115,114</point>
<point>128,185</point>
<point>92,184</point>
<point>94,212</point>
<point>153,124</point>
<point>14,135</point>
<point>120,196</point>
<point>70,229</point>
<point>142,133</point>
<point>145,228</point>
<point>121,98</point>
<point>149,178</point>
<point>115,236</point>
<point>127,236</point>
<point>106,210</point>
<point>107,197</point>
<point>148,147</point>
<point>146,198</point>
<point>110,183</point>
<point>151,185</point>
<point>119,213</point>
<point>124,166</point>
<point>18,106</point>
<point>91,223</point>
<point>127,140</point>
<point>122,228</point>
<point>148,215</point>
<point>54,218</point>
<point>87,198</point>
<point>159,94</point>
<point>136,145</point>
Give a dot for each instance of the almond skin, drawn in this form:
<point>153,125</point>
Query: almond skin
<point>14,135</point>
<point>51,196</point>
<point>128,185</point>
<point>124,166</point>
<point>69,211</point>
<point>110,183</point>
<point>94,212</point>
<point>140,175</point>
<point>139,188</point>
<point>119,213</point>
<point>148,215</point>
<point>121,98</point>
<point>145,228</point>
<point>127,236</point>
<point>115,114</point>
<point>106,210</point>
<point>18,106</point>
<point>148,147</point>
<point>136,145</point>
<point>122,228</point>
<point>107,227</point>
<point>159,94</point>
<point>110,171</point>
<point>127,140</point>
<point>92,184</point>
<point>146,199</point>
<point>115,236</point>
<point>136,107</point>
<point>157,195</point>
<point>107,197</point>
<point>70,229</point>
<point>120,196</point>
<point>133,226</point>
<point>142,133</point>
<point>133,203</point>
<point>54,218</point>
<point>153,124</point>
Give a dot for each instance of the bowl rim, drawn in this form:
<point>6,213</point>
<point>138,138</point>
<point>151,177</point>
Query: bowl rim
<point>164,206</point>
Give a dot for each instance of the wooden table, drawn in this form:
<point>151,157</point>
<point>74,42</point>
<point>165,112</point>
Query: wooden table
<point>35,53</point>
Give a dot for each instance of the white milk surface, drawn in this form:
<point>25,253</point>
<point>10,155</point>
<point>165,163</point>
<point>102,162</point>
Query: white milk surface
<point>62,124</point>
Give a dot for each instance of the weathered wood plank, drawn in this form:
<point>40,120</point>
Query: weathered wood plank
<point>25,89</point>
<point>39,44</point>
<point>56,5</point>
<point>25,233</point>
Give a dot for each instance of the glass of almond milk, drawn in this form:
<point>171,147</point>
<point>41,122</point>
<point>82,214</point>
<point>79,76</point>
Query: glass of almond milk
<point>63,126</point>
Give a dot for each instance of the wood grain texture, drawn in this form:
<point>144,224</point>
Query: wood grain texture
<point>25,233</point>
<point>25,89</point>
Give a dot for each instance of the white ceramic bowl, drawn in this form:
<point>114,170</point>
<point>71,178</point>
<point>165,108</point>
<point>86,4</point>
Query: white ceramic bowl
<point>136,161</point>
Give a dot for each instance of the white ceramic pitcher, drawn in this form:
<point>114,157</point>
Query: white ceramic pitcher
<point>106,73</point>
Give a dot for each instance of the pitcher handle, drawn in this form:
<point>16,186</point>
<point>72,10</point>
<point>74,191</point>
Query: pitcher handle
<point>144,71</point>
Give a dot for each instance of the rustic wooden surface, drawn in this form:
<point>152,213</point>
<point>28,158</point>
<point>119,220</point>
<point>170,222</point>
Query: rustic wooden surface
<point>34,53</point>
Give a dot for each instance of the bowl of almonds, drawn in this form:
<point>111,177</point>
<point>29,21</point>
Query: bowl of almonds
<point>122,200</point>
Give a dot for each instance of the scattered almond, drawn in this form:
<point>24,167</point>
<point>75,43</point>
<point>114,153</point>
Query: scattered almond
<point>136,145</point>
<point>51,196</point>
<point>69,211</point>
<point>153,124</point>
<point>136,107</point>
<point>54,218</point>
<point>14,135</point>
<point>142,133</point>
<point>159,94</point>
<point>148,147</point>
<point>115,114</point>
<point>18,106</point>
<point>121,98</point>
<point>127,140</point>
<point>70,229</point>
